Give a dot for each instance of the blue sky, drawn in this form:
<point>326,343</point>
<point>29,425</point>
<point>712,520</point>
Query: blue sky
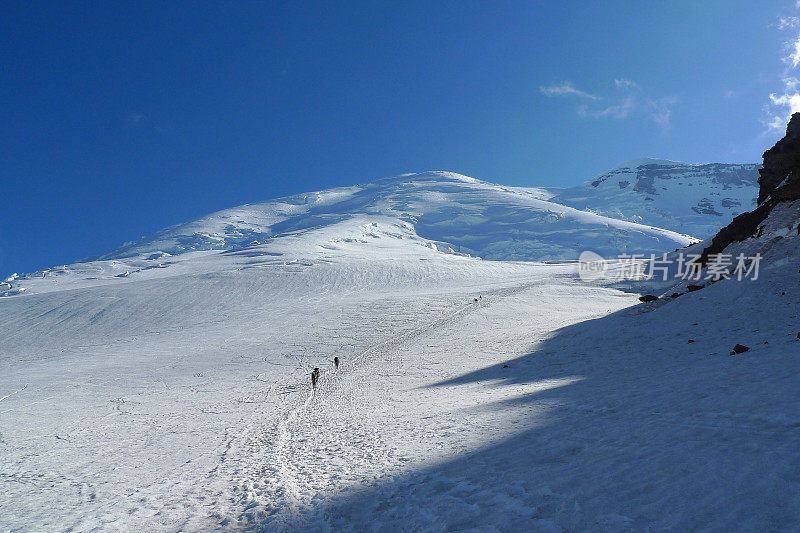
<point>118,119</point>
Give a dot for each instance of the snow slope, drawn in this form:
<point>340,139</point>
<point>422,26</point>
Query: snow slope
<point>177,399</point>
<point>693,199</point>
<point>165,386</point>
<point>465,214</point>
<point>161,400</point>
<point>615,424</point>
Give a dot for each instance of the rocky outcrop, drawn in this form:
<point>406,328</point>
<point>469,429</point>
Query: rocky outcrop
<point>739,348</point>
<point>779,181</point>
<point>781,162</point>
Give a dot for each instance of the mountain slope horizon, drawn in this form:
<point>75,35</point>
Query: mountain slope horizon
<point>475,217</point>
<point>634,208</point>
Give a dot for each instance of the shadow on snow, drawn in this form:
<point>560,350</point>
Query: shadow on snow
<point>648,432</point>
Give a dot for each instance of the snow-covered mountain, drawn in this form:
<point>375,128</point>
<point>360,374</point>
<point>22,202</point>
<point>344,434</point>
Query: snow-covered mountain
<point>165,386</point>
<point>453,211</point>
<point>443,211</point>
<point>693,199</point>
<point>632,209</point>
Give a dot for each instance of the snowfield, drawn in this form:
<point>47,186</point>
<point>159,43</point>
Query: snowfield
<point>171,402</point>
<point>167,389</point>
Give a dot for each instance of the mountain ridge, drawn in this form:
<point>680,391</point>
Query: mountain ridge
<point>696,199</point>
<point>471,214</point>
<point>459,214</point>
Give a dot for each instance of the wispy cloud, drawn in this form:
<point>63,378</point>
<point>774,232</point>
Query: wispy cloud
<point>787,103</point>
<point>661,111</point>
<point>781,106</point>
<point>617,111</point>
<point>564,89</point>
<point>794,54</point>
<point>788,22</point>
<point>625,100</point>
<point>624,83</point>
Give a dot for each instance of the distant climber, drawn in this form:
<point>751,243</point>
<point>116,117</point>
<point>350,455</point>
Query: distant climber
<point>336,362</point>
<point>314,378</point>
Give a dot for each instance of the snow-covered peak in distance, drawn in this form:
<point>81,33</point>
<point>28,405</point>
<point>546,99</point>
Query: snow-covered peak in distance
<point>693,199</point>
<point>454,212</point>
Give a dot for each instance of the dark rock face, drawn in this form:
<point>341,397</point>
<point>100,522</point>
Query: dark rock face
<point>739,348</point>
<point>782,161</point>
<point>645,183</point>
<point>779,181</point>
<point>742,227</point>
<point>648,298</point>
<point>729,202</point>
<point>705,207</point>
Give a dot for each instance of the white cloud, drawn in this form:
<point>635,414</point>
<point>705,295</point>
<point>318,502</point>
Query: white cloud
<point>616,111</point>
<point>794,52</point>
<point>632,103</point>
<point>777,122</point>
<point>781,106</point>
<point>564,89</point>
<point>789,99</point>
<point>788,22</point>
<point>661,111</point>
<point>624,83</point>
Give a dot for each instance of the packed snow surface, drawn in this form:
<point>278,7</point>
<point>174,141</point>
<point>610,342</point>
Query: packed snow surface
<point>164,391</point>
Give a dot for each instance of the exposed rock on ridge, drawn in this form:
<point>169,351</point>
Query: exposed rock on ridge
<point>779,181</point>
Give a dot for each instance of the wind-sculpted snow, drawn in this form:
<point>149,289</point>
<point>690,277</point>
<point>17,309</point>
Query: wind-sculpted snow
<point>693,199</point>
<point>474,217</point>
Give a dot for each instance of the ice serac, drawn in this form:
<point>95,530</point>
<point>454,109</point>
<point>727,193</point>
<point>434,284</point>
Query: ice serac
<point>777,212</point>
